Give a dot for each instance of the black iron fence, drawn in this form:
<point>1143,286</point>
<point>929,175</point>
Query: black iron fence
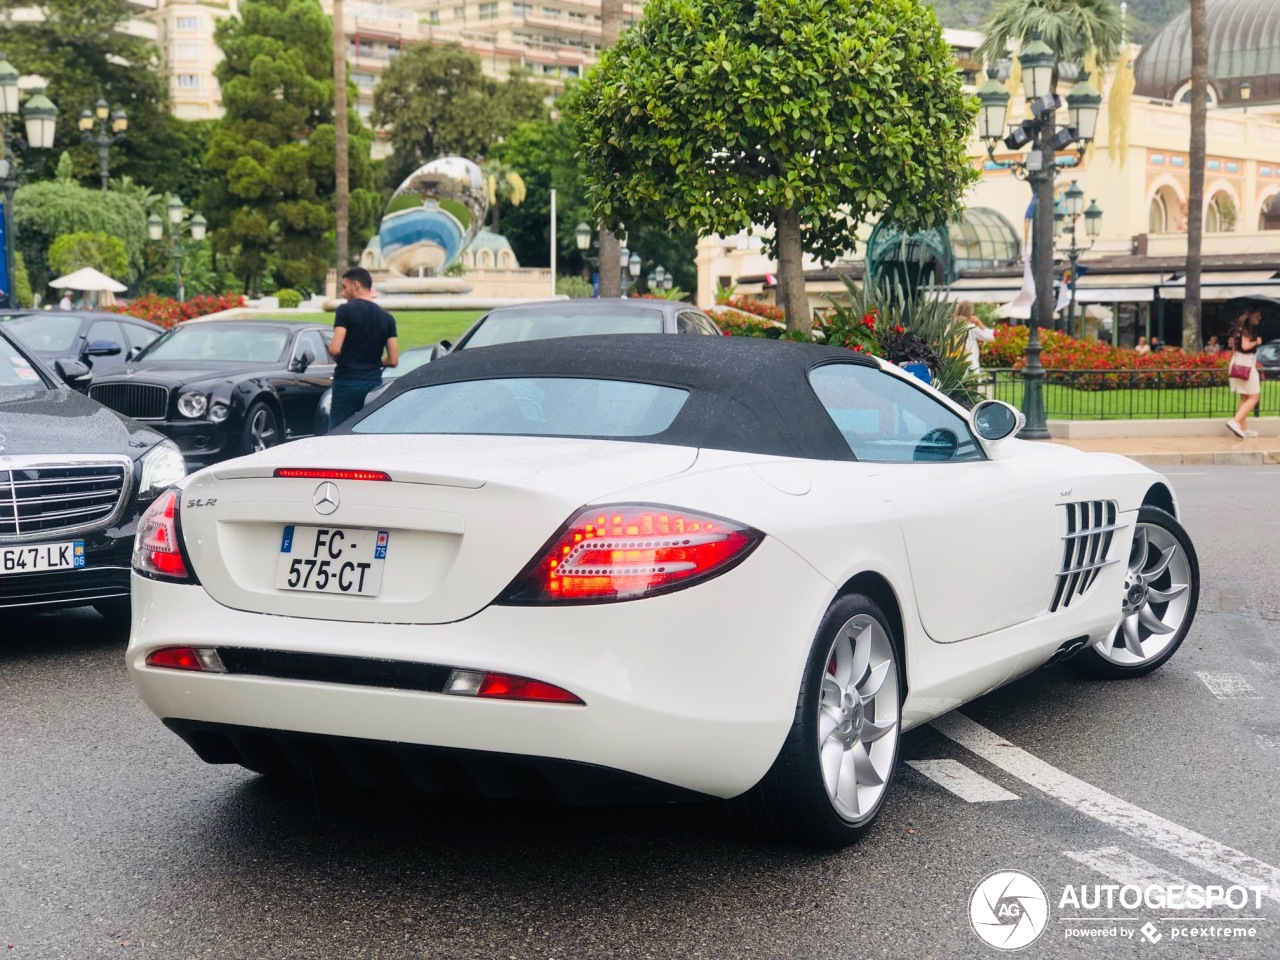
<point>1131,394</point>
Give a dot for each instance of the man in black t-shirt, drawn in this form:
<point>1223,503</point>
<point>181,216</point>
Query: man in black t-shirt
<point>362,331</point>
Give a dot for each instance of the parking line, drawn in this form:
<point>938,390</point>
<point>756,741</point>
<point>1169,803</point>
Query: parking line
<point>1228,686</point>
<point>1124,868</point>
<point>1217,858</point>
<point>968,785</point>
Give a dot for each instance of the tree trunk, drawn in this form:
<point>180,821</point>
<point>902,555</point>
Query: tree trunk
<point>611,23</point>
<point>791,271</point>
<point>493,219</point>
<point>341,164</point>
<point>1191,312</point>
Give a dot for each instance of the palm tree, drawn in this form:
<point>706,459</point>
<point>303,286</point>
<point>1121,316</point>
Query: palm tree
<point>1072,29</point>
<point>503,183</point>
<point>1195,198</point>
<point>341,160</point>
<point>611,24</point>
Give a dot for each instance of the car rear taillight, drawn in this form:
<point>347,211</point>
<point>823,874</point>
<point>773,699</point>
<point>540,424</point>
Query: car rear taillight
<point>625,552</point>
<point>499,686</point>
<point>195,659</point>
<point>324,473</point>
<point>157,550</point>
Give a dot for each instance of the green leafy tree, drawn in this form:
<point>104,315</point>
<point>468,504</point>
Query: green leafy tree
<point>45,211</point>
<point>101,251</point>
<point>809,115</point>
<point>21,282</point>
<point>79,47</point>
<point>545,151</point>
<point>1071,28</point>
<point>436,101</point>
<point>271,201</point>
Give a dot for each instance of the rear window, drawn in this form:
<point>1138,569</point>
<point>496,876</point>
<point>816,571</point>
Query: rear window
<point>530,406</point>
<point>514,326</point>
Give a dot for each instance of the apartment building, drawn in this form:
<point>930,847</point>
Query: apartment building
<point>552,39</point>
<point>188,53</point>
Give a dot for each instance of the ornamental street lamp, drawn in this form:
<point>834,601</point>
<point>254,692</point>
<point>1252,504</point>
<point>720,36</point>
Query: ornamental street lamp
<point>104,139</point>
<point>39,117</point>
<point>1039,168</point>
<point>1073,208</point>
<point>197,227</point>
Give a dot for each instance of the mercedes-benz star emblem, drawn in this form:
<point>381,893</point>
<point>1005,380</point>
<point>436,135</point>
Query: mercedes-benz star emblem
<point>326,498</point>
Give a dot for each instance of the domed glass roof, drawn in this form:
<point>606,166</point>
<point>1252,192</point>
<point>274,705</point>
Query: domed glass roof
<point>981,237</point>
<point>1244,48</point>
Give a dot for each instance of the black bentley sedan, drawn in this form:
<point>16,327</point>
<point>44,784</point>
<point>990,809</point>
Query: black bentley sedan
<point>101,341</point>
<point>224,388</point>
<point>74,479</point>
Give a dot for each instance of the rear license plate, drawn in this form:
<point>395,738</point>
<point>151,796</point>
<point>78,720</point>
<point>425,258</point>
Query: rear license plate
<point>40,557</point>
<point>332,560</point>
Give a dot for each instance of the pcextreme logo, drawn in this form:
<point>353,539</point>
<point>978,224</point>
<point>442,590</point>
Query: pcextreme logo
<point>1009,910</point>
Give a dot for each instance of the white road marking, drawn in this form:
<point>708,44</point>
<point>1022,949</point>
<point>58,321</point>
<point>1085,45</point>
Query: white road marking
<point>1269,740</point>
<point>1124,868</point>
<point>1200,851</point>
<point>1228,686</point>
<point>966,784</point>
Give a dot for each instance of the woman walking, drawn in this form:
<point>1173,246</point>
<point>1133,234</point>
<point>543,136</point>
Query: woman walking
<point>1243,372</point>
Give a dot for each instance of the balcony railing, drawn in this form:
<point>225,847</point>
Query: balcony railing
<point>1131,394</point>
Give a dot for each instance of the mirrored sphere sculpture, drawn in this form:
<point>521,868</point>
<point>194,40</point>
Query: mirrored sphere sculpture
<point>433,216</point>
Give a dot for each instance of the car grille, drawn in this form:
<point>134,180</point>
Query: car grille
<point>142,401</point>
<point>1091,526</point>
<point>52,499</point>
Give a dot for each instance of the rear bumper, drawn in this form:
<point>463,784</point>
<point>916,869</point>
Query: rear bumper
<point>695,689</point>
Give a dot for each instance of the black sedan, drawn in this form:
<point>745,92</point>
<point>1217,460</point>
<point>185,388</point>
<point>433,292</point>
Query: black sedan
<point>224,388</point>
<point>74,479</point>
<point>101,341</point>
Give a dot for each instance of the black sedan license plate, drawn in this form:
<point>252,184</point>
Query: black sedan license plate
<point>37,558</point>
<point>332,560</point>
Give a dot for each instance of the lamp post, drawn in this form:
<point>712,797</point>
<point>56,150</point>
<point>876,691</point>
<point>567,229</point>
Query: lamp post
<point>1246,91</point>
<point>1073,208</point>
<point>175,215</point>
<point>104,139</point>
<point>39,117</point>
<point>1039,168</point>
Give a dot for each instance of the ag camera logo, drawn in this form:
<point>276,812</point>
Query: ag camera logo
<point>1009,910</point>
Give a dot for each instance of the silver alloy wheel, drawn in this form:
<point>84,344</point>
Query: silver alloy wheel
<point>858,716</point>
<point>1156,598</point>
<point>262,430</point>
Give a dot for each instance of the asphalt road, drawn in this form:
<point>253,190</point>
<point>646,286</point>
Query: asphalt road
<point>116,841</point>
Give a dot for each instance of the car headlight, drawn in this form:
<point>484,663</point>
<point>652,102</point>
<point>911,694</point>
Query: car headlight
<point>219,411</point>
<point>192,404</point>
<point>162,467</point>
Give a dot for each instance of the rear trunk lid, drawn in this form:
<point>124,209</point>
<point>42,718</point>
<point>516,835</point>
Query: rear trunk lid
<point>461,517</point>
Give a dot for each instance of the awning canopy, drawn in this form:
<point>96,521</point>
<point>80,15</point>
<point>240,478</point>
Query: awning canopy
<point>1118,288</point>
<point>1226,285</point>
<point>88,279</point>
<point>994,290</point>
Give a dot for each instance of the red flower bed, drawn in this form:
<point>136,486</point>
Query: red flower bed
<point>1133,369</point>
<point>747,305</point>
<point>167,311</point>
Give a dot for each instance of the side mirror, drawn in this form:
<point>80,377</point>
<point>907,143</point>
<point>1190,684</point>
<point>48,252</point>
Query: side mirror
<point>102,348</point>
<point>74,374</point>
<point>301,363</point>
<point>440,350</point>
<point>995,420</point>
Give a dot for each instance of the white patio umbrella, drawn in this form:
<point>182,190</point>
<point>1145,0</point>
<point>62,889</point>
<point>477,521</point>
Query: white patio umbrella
<point>88,279</point>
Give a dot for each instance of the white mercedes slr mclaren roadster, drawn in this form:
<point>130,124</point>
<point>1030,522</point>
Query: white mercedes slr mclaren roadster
<point>643,568</point>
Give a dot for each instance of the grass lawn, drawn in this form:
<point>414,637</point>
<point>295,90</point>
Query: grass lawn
<point>414,328</point>
<point>1065,403</point>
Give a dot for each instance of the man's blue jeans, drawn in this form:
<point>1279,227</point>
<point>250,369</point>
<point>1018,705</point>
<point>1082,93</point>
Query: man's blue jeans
<point>348,399</point>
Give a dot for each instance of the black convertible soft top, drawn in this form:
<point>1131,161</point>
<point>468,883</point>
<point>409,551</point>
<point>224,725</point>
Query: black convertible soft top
<point>745,394</point>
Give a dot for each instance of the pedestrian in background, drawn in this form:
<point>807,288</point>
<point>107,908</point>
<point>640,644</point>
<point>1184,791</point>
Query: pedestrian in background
<point>1213,346</point>
<point>65,302</point>
<point>364,342</point>
<point>1243,375</point>
<point>1156,345</point>
<point>1142,346</point>
<point>979,333</point>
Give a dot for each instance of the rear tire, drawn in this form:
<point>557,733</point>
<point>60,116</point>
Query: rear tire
<point>831,776</point>
<point>1162,592</point>
<point>261,429</point>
